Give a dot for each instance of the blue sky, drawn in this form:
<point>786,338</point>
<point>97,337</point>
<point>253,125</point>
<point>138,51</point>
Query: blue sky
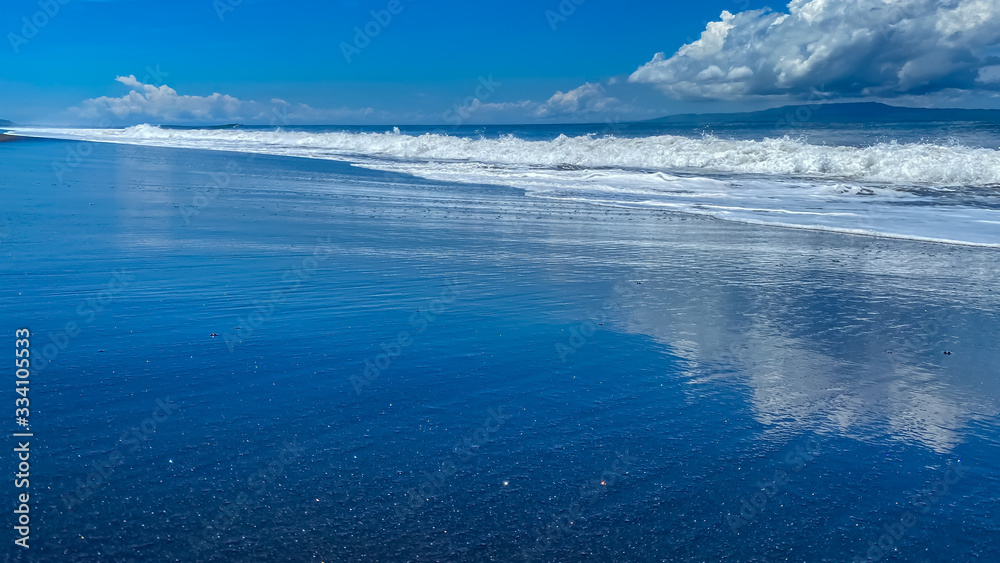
<point>301,61</point>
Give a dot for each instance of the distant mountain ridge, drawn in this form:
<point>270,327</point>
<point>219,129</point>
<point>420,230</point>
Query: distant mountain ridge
<point>5,123</point>
<point>859,112</point>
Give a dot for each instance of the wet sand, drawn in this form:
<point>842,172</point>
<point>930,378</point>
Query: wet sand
<point>409,370</point>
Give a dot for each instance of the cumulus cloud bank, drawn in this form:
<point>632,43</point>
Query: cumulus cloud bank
<point>147,102</point>
<point>883,48</point>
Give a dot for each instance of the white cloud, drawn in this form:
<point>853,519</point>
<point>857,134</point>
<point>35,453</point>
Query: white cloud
<point>881,48</point>
<point>588,102</point>
<point>591,98</point>
<point>613,100</point>
<point>989,75</point>
<point>483,112</point>
<point>162,104</point>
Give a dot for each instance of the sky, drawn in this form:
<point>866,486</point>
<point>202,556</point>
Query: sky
<point>121,62</point>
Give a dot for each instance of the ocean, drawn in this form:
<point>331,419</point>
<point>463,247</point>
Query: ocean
<point>939,179</point>
<point>609,342</point>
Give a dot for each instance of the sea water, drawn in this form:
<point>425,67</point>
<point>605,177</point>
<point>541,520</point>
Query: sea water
<point>925,181</point>
<point>503,345</point>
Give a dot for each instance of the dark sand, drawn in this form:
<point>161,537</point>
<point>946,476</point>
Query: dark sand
<point>551,381</point>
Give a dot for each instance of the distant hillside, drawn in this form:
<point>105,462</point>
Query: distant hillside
<point>5,123</point>
<point>864,112</point>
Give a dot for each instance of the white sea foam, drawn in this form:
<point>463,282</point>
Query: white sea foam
<point>914,190</point>
<point>892,163</point>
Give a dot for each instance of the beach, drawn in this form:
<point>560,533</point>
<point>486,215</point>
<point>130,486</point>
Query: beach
<point>263,357</point>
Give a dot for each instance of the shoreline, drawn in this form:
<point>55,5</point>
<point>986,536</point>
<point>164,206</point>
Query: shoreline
<point>359,161</point>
